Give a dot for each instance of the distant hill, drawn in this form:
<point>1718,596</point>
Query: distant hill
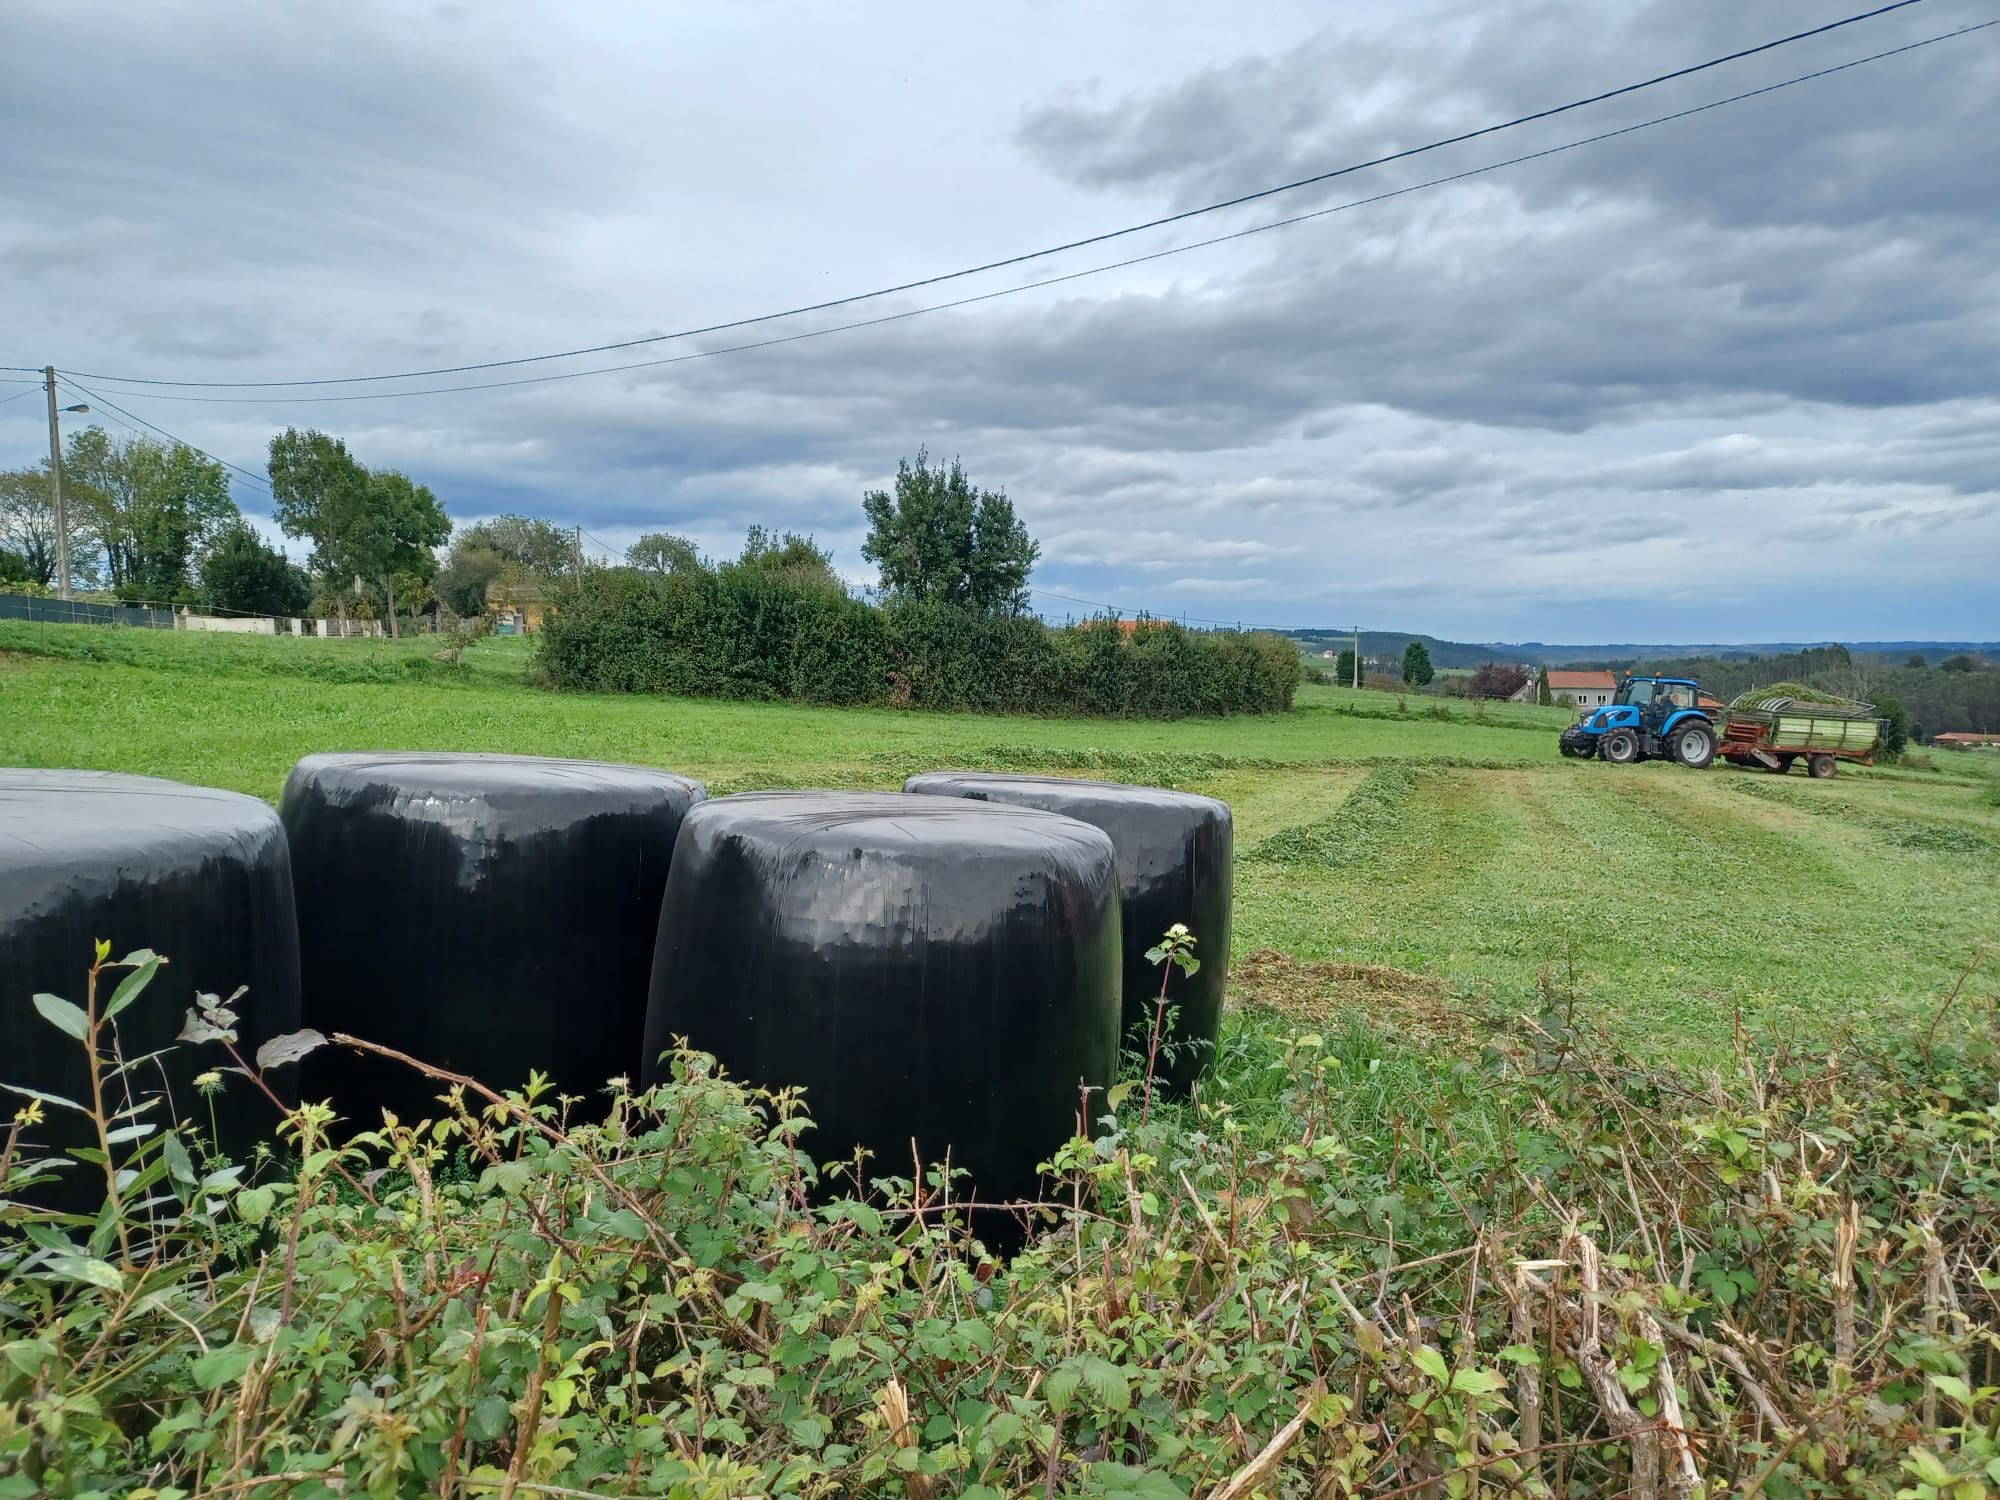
<point>1390,644</point>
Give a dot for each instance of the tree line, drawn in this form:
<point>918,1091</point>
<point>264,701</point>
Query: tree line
<point>950,628</point>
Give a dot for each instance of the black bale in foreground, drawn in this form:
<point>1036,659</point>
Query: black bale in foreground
<point>191,872</point>
<point>939,976</point>
<point>1174,865</point>
<point>490,914</point>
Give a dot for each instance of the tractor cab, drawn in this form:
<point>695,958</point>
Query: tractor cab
<point>1657,698</point>
<point>1649,718</point>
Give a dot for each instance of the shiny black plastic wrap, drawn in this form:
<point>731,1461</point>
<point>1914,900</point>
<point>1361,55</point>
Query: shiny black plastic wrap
<point>1174,865</point>
<point>937,972</point>
<point>491,914</point>
<point>195,874</point>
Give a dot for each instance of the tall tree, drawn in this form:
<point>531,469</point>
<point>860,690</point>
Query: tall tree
<point>468,571</point>
<point>362,523</point>
<point>541,547</point>
<point>663,552</point>
<point>243,575</point>
<point>153,506</point>
<point>28,527</point>
<point>937,538</point>
<point>13,566</point>
<point>1417,669</point>
<point>1343,669</point>
<point>798,558</point>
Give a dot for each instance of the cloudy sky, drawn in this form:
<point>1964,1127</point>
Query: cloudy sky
<point>1736,377</point>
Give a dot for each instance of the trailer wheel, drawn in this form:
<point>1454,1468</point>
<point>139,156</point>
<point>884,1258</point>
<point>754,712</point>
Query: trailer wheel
<point>1694,747</point>
<point>1784,764</point>
<point>1820,767</point>
<point>1619,746</point>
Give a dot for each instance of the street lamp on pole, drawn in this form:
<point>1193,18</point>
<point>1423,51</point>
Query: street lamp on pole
<point>55,483</point>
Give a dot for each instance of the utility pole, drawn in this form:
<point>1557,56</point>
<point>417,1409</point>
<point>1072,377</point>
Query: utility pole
<point>55,486</point>
<point>1357,656</point>
<point>579,552</point>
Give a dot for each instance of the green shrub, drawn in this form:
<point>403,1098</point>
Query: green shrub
<point>1345,1269</point>
<point>738,631</point>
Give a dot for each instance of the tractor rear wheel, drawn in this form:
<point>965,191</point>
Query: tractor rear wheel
<point>1619,746</point>
<point>1694,747</point>
<point>1820,767</point>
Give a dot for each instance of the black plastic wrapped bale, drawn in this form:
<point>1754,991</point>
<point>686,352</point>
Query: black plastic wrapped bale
<point>928,971</point>
<point>491,914</point>
<point>195,874</point>
<point>1174,865</point>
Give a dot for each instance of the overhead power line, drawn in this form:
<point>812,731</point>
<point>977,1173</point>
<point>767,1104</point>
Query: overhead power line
<point>1076,244</point>
<point>82,390</point>
<point>1048,281</point>
<point>1097,270</point>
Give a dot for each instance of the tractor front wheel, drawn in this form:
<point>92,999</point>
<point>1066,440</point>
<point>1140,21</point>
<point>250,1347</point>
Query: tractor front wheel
<point>1694,747</point>
<point>1820,767</point>
<point>1619,746</point>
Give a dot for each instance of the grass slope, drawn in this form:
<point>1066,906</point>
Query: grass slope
<point>1458,848</point>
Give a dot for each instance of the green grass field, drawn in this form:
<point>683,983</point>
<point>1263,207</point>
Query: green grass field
<point>1441,841</point>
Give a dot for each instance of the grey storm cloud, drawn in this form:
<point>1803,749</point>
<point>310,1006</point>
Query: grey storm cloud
<point>1571,397</point>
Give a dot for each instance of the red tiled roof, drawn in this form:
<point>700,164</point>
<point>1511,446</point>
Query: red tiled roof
<point>1568,682</point>
<point>1962,737</point>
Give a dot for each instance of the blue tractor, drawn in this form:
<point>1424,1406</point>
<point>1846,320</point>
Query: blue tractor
<point>1651,718</point>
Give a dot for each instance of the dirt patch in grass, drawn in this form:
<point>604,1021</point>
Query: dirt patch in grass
<point>1415,1005</point>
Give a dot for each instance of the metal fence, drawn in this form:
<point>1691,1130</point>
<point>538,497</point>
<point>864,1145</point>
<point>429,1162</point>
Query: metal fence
<point>76,612</point>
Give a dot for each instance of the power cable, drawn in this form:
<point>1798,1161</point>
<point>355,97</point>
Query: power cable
<point>15,397</point>
<point>1097,270</point>
<point>1076,244</point>
<point>83,390</point>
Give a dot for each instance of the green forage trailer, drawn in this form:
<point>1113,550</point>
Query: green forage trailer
<point>1772,727</point>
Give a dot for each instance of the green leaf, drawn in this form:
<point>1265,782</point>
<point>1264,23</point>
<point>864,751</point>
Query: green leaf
<point>87,1269</point>
<point>224,1366</point>
<point>1476,1382</point>
<point>1432,1364</point>
<point>490,1418</point>
<point>1107,1383</point>
<point>180,1166</point>
<point>253,1204</point>
<point>624,1224</point>
<point>1060,1388</point>
<point>62,1015</point>
<point>28,1355</point>
<point>134,984</point>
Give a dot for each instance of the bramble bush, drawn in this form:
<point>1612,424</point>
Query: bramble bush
<point>733,631</point>
<point>1537,1267</point>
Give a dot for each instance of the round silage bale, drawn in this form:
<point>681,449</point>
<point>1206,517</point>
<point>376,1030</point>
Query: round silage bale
<point>941,978</point>
<point>1174,865</point>
<point>197,875</point>
<point>489,914</point>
